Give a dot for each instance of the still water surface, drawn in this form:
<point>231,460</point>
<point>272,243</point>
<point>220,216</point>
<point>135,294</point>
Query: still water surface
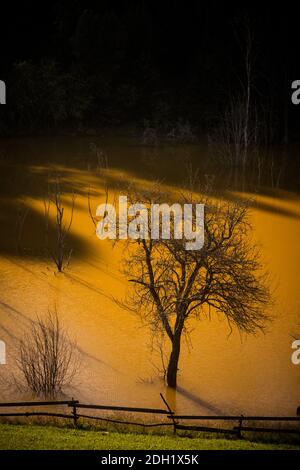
<point>219,373</point>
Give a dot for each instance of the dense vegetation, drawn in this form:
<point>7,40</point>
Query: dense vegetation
<point>91,64</point>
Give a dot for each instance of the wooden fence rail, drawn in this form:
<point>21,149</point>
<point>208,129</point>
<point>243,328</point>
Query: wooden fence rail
<point>123,408</point>
<point>243,422</point>
<point>234,418</point>
<point>236,429</point>
<point>37,403</point>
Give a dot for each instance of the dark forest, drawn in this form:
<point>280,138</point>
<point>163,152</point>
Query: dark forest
<point>87,65</point>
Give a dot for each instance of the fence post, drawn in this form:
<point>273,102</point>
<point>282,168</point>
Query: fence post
<point>170,411</point>
<point>74,413</point>
<point>239,431</point>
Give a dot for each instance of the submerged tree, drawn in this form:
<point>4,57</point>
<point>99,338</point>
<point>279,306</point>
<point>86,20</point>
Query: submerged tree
<point>59,250</point>
<point>239,129</point>
<point>172,285</point>
<point>47,358</point>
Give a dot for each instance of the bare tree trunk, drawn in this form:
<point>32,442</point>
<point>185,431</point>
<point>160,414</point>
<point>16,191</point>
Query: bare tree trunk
<point>173,361</point>
<point>248,66</point>
<point>60,253</point>
<point>246,128</point>
<point>286,111</point>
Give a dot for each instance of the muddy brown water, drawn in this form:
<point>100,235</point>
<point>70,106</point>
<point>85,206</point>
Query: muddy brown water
<point>219,373</point>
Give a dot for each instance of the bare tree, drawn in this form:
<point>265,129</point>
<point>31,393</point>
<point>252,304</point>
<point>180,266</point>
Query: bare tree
<point>172,285</point>
<point>59,250</point>
<point>158,349</point>
<point>100,170</point>
<point>248,85</point>
<point>238,131</point>
<point>229,142</point>
<point>47,358</point>
<point>101,157</point>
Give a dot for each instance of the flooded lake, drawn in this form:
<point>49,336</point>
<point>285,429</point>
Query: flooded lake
<point>219,372</point>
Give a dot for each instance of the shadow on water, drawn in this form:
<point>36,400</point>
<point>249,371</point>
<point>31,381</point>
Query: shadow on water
<point>33,234</point>
<point>198,401</point>
<point>98,361</point>
<point>11,310</point>
<point>264,205</point>
<point>9,333</point>
<point>171,396</point>
<point>165,161</point>
<point>87,285</point>
<point>27,163</point>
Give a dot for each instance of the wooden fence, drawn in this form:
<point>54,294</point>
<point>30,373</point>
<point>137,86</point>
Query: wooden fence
<point>240,423</point>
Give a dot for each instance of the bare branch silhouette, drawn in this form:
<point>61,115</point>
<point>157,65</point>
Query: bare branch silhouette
<point>47,357</point>
<point>171,285</point>
<point>58,249</point>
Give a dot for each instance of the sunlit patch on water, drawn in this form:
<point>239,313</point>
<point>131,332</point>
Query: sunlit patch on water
<point>218,373</point>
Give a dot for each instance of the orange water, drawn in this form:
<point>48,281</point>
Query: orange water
<point>218,373</point>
